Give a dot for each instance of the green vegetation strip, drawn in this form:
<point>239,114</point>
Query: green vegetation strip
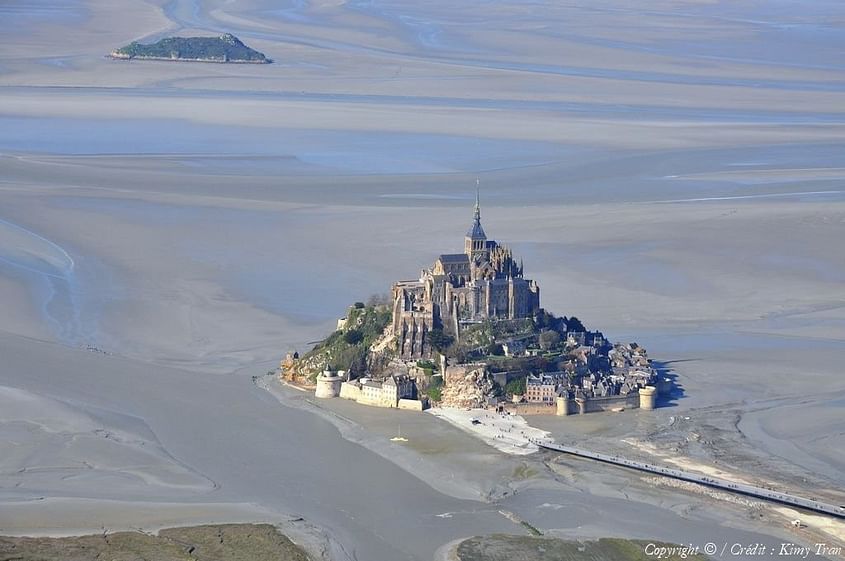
<point>528,548</point>
<point>228,542</point>
<point>347,349</point>
<point>534,531</point>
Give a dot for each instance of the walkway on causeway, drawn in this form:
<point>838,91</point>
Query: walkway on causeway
<point>724,484</point>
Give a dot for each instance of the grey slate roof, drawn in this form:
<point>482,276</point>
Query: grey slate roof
<point>454,258</point>
<point>476,232</point>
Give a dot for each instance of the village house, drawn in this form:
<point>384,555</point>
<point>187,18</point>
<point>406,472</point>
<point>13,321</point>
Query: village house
<point>380,393</point>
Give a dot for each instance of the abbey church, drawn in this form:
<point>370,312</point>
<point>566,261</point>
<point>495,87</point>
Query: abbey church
<point>483,282</point>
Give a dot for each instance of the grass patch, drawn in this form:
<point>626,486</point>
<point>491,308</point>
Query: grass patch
<point>534,548</point>
<point>534,531</point>
<point>224,542</point>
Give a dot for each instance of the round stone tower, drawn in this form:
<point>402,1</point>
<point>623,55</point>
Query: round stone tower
<point>648,398</point>
<point>328,384</point>
<point>562,406</point>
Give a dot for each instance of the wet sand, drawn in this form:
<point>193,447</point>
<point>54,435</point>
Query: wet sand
<point>670,176</point>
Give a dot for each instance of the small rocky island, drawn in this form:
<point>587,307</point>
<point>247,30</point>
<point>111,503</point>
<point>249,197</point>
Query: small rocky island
<point>225,48</point>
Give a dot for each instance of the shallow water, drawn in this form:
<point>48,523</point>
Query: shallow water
<point>50,271</point>
<point>327,152</point>
<point>20,16</point>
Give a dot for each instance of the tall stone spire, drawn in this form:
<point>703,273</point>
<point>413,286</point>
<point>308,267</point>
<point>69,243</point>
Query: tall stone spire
<point>476,240</point>
<point>477,217</point>
<point>476,232</point>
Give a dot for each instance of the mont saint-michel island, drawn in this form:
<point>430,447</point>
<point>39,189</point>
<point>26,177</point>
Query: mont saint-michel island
<point>225,48</point>
<point>470,333</point>
<point>469,342</point>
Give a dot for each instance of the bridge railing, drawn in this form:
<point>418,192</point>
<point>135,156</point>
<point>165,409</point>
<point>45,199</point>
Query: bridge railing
<point>741,488</point>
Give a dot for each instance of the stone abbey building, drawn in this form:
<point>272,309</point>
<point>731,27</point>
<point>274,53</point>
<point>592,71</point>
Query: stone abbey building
<point>483,282</point>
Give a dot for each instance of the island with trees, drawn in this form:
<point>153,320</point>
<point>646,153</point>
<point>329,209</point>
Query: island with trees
<point>223,49</point>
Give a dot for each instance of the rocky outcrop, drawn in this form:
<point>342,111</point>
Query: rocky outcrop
<point>300,371</point>
<point>467,385</point>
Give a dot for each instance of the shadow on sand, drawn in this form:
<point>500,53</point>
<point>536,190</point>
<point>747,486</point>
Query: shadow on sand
<point>664,370</point>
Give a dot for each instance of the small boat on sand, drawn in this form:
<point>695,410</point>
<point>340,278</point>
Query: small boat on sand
<point>399,437</point>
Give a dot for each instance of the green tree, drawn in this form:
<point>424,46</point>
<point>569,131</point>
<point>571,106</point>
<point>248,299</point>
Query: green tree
<point>544,320</point>
<point>427,365</point>
<point>575,325</point>
<point>516,387</point>
<point>549,339</point>
<point>495,349</point>
<point>435,388</point>
<point>438,340</point>
<point>353,337</point>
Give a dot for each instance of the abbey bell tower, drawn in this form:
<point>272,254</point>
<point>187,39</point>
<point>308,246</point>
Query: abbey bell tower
<point>482,283</point>
<point>475,242</point>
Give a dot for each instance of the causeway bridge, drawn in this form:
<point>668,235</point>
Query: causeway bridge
<point>740,488</point>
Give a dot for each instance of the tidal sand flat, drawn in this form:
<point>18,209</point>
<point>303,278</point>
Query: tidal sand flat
<point>59,448</point>
<point>670,172</point>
